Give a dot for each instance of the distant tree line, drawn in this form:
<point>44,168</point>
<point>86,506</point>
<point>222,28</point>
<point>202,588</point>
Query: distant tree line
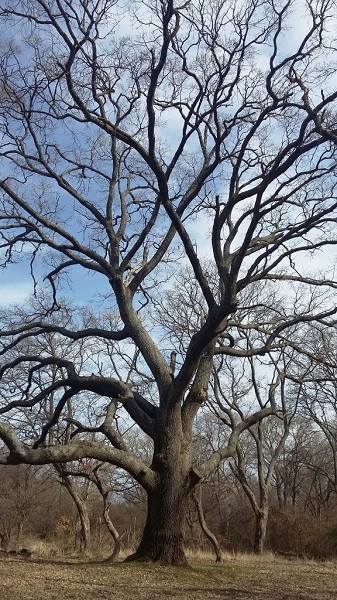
<point>65,510</point>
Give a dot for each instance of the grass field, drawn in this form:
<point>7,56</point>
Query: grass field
<point>235,579</point>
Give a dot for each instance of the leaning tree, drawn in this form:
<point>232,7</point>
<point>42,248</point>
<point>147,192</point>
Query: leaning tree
<point>138,138</point>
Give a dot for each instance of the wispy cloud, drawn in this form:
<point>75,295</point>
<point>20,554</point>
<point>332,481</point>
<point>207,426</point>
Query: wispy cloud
<point>14,293</point>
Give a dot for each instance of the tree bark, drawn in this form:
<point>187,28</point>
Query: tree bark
<point>83,515</point>
<point>206,530</point>
<point>112,530</point>
<point>5,538</point>
<point>20,531</point>
<point>163,536</point>
<point>261,521</point>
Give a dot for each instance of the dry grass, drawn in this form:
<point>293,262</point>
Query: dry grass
<point>239,578</point>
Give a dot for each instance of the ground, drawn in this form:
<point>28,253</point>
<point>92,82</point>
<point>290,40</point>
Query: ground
<point>236,579</point>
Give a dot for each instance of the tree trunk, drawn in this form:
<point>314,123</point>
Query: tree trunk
<point>20,531</point>
<point>261,520</point>
<point>5,538</point>
<point>85,532</point>
<point>85,527</point>
<point>163,535</point>
<point>206,530</point>
<point>162,539</point>
<point>112,530</point>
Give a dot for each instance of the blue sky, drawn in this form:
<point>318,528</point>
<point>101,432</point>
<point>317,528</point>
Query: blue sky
<point>16,284</point>
<point>15,281</point>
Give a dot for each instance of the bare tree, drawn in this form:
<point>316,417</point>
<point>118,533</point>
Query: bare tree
<point>94,473</point>
<point>258,450</point>
<point>319,402</point>
<point>22,490</point>
<point>307,472</point>
<point>291,473</point>
<point>79,494</point>
<point>118,152</point>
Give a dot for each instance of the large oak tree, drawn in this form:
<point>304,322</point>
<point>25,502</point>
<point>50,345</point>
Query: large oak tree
<point>138,138</point>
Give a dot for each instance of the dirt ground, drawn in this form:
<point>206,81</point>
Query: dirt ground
<point>35,579</point>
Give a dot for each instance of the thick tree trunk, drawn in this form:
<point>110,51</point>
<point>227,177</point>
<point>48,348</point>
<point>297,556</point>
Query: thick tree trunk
<point>163,535</point>
<point>261,521</point>
<point>162,539</point>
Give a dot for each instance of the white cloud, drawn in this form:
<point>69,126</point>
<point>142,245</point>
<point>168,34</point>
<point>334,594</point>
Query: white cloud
<point>14,293</point>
